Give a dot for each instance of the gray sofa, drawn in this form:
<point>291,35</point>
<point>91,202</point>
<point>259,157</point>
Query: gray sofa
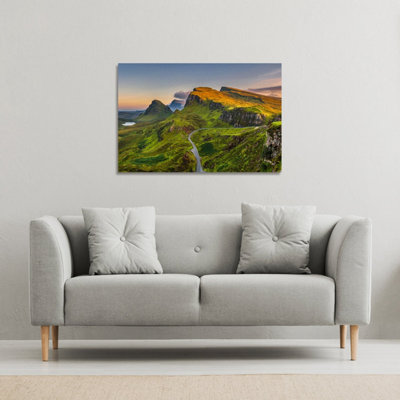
<point>199,255</point>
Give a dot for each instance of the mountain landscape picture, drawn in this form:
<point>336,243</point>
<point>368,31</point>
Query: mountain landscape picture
<point>199,118</point>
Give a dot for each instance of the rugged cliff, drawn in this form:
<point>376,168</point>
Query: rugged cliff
<point>238,108</point>
<point>240,117</point>
<point>272,151</point>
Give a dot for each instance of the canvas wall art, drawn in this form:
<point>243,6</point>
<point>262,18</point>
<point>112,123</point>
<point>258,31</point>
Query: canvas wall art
<point>199,118</point>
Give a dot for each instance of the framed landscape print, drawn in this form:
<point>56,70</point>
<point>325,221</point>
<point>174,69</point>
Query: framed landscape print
<point>199,118</point>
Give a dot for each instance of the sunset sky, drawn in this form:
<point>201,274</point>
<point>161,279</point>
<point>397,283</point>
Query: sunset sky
<point>139,84</point>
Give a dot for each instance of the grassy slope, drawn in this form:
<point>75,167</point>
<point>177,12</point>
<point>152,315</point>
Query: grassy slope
<point>153,117</point>
<point>163,146</point>
<point>154,147</point>
<point>232,149</point>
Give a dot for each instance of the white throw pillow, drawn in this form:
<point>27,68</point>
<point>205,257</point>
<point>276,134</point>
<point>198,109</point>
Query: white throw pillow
<point>275,240</point>
<point>122,240</point>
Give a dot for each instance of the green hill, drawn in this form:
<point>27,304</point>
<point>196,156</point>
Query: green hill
<point>156,111</point>
<point>236,134</point>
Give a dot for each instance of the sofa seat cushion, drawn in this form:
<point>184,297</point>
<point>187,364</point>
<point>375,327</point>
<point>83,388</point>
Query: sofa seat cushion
<point>273,299</point>
<point>170,299</point>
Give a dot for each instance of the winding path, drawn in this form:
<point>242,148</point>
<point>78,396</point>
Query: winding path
<point>199,167</point>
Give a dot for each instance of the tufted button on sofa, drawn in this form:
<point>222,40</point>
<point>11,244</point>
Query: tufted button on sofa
<point>199,255</point>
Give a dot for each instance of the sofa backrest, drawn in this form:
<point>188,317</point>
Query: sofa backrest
<point>198,244</point>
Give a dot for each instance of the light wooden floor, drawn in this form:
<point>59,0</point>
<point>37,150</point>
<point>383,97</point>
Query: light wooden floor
<point>199,357</point>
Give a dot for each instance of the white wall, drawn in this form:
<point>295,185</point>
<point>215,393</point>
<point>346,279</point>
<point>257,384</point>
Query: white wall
<point>341,102</point>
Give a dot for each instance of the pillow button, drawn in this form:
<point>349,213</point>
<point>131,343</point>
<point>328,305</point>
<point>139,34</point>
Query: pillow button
<point>197,249</point>
<point>274,238</point>
<point>122,238</point>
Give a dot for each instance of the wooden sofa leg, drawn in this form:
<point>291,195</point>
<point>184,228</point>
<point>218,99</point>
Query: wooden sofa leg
<point>54,337</point>
<point>45,342</point>
<point>343,333</point>
<point>353,341</point>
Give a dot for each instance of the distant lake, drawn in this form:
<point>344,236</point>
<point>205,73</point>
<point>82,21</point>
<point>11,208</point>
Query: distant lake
<point>128,123</point>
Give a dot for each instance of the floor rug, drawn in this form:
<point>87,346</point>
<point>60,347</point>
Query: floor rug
<point>211,387</point>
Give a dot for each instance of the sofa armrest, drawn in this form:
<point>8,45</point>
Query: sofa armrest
<point>50,267</point>
<point>348,262</point>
